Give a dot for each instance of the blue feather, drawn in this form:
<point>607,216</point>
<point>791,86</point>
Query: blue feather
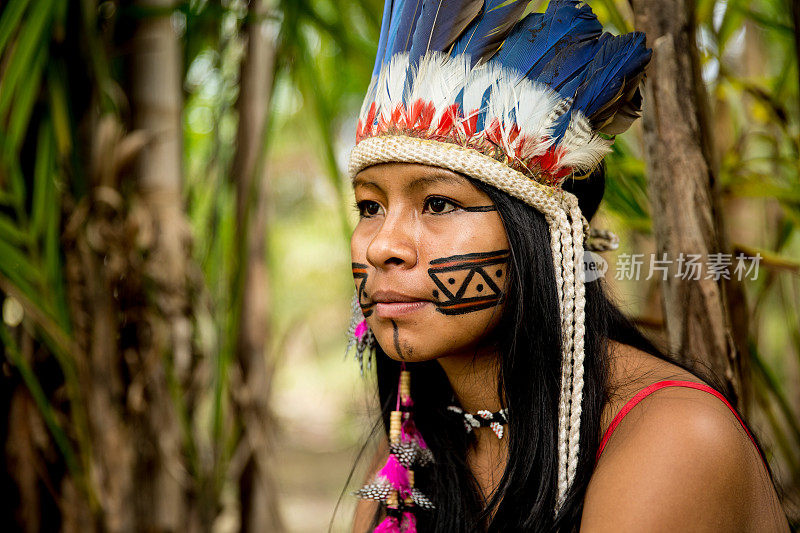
<point>536,41</point>
<point>515,52</point>
<point>391,34</point>
<point>440,23</point>
<point>564,72</point>
<point>385,21</point>
<point>488,31</point>
<point>619,59</point>
<point>616,60</point>
<point>404,20</point>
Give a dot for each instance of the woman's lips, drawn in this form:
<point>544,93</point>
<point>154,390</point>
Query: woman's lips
<point>398,309</point>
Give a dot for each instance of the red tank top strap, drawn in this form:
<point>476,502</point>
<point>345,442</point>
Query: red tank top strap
<point>642,394</point>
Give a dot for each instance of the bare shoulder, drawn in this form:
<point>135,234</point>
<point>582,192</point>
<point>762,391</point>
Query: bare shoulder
<point>680,460</point>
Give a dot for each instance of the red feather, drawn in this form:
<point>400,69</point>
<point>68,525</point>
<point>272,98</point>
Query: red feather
<point>548,160</point>
<point>471,124</point>
<point>521,146</point>
<point>359,132</point>
<point>371,115</point>
<point>493,133</point>
<point>413,113</point>
<point>397,114</point>
<point>426,116</point>
<point>447,121</point>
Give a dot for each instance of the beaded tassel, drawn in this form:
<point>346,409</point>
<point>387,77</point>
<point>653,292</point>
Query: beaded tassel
<point>394,483</point>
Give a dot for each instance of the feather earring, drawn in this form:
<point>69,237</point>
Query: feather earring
<point>394,483</point>
<point>360,337</point>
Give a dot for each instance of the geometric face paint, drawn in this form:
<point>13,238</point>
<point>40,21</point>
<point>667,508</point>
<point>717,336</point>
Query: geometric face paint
<point>360,272</point>
<point>469,282</point>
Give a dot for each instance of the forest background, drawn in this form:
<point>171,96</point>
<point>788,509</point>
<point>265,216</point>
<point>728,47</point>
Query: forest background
<point>174,225</point>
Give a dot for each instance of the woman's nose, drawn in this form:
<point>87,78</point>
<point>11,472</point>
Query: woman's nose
<point>393,245</point>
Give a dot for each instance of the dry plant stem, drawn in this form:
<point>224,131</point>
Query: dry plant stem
<point>259,504</point>
<point>160,498</point>
<point>681,187</point>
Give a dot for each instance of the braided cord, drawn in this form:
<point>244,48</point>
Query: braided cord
<point>579,333</point>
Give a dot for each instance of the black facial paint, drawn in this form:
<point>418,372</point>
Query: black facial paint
<point>476,289</point>
<point>480,208</point>
<point>360,273</point>
<point>397,340</point>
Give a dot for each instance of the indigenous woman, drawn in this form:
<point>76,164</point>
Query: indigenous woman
<point>515,395</point>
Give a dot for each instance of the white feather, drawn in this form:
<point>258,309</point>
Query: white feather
<point>475,86</point>
<point>583,149</point>
<point>453,76</point>
<point>502,104</point>
<point>427,84</point>
<point>534,108</point>
<point>391,85</point>
<point>396,78</point>
<point>381,95</point>
<point>362,115</point>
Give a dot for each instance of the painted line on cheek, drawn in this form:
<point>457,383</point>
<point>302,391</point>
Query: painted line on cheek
<point>360,273</point>
<point>477,270</point>
<point>397,340</point>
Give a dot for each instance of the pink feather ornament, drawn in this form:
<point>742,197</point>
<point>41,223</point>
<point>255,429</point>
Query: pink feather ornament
<point>395,474</point>
<point>389,525</point>
<point>412,434</point>
<point>361,329</point>
<point>409,523</point>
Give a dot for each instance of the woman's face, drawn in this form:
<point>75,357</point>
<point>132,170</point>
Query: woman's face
<point>430,260</point>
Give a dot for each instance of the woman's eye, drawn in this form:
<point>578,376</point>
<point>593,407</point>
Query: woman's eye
<point>368,208</point>
<point>438,205</point>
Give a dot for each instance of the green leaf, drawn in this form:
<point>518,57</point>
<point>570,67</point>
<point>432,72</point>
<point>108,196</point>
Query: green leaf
<point>704,10</point>
<point>10,233</point>
<point>17,186</point>
<point>732,21</point>
<point>42,181</point>
<point>53,266</point>
<point>764,188</point>
<point>31,39</point>
<point>615,16</point>
<point>23,104</point>
<point>42,403</point>
<point>59,111</point>
<point>766,21</point>
<point>774,387</point>
<point>20,270</point>
<point>9,20</point>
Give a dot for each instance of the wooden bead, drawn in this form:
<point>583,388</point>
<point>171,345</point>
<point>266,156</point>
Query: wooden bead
<point>391,500</point>
<point>395,422</point>
<point>409,500</point>
<point>405,386</point>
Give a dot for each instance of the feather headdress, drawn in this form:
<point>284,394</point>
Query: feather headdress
<point>543,94</point>
<point>520,103</point>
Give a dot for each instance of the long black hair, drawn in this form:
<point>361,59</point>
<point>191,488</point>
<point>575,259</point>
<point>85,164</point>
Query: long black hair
<point>528,338</point>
